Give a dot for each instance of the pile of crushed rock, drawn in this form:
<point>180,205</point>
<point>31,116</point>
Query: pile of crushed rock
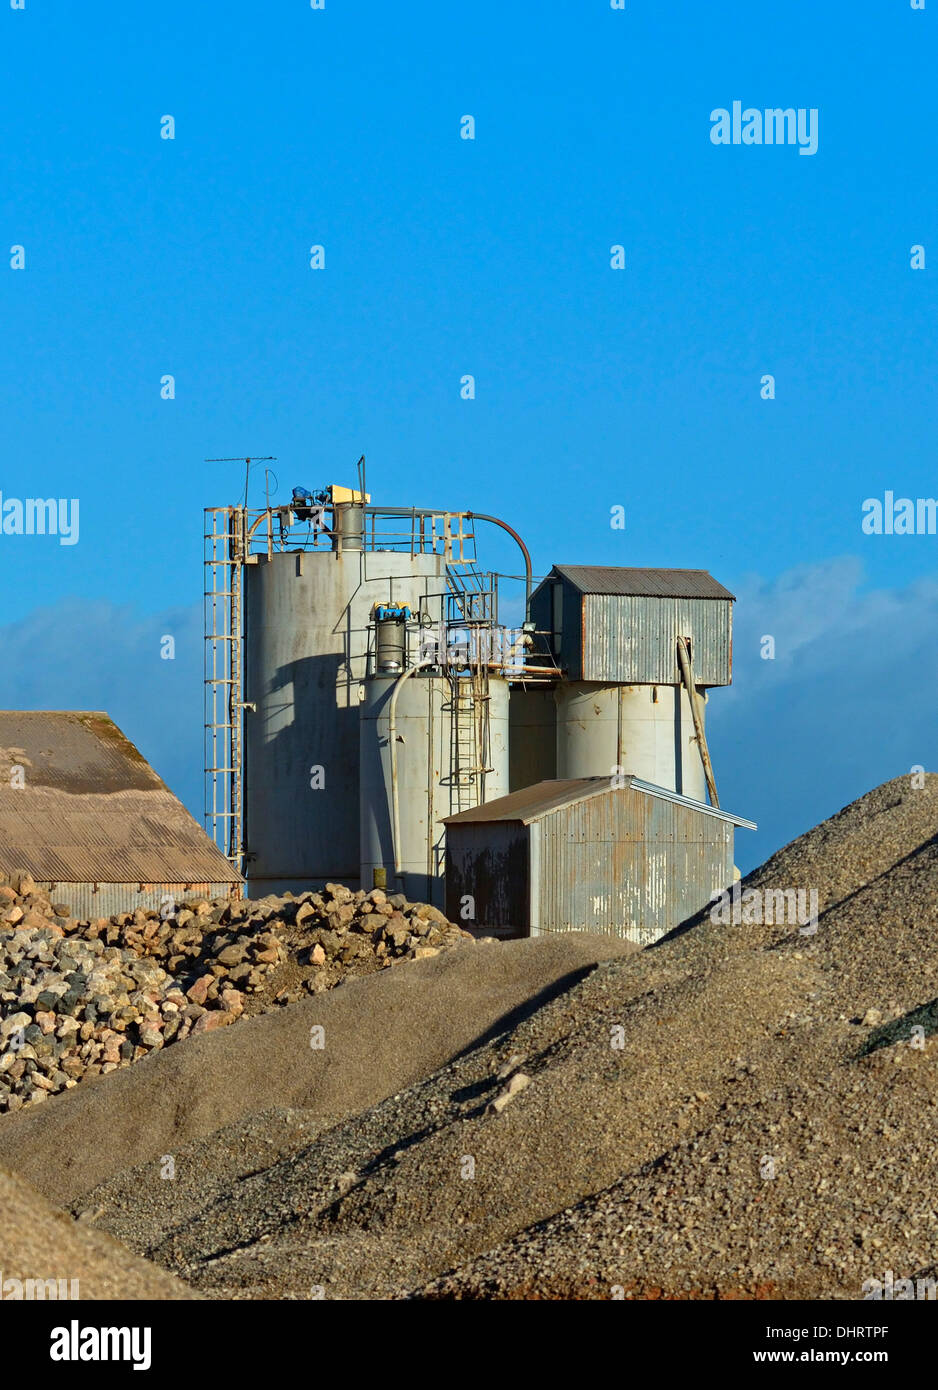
<point>81,998</point>
<point>742,1110</point>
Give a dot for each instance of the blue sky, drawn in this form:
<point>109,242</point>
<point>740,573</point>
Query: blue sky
<point>445,256</point>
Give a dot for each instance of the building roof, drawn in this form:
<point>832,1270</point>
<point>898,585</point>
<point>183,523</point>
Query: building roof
<point>645,583</point>
<point>91,809</point>
<point>531,803</point>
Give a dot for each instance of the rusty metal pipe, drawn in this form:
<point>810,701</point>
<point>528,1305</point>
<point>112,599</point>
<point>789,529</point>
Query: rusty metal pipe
<point>683,657</point>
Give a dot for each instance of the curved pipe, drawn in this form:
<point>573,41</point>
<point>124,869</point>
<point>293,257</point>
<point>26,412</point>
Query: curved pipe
<point>528,572</point>
<point>392,736</point>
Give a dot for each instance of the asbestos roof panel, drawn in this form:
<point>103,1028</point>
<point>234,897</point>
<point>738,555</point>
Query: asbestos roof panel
<point>646,583</point>
<point>91,809</point>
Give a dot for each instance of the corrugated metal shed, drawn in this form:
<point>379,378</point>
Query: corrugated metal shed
<point>620,626</point>
<point>80,806</point>
<point>626,859</point>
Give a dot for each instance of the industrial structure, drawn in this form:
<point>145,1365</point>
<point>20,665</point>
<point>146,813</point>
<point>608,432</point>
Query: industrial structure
<point>638,649</point>
<point>361,689</point>
<point>85,815</point>
<point>614,855</point>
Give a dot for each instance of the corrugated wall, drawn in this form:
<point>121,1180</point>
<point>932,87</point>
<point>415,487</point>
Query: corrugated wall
<point>627,864</point>
<point>633,640</point>
<point>542,615</point>
<point>86,900</point>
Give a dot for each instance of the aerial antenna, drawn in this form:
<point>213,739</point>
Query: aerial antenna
<point>267,458</point>
<point>268,474</point>
<point>361,492</point>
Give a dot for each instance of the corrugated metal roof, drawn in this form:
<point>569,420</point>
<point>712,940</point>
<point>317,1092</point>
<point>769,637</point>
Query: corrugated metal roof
<point>531,803</point>
<point>91,809</point>
<point>648,583</point>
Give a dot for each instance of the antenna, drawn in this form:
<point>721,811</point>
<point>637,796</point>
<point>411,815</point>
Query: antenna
<point>266,458</point>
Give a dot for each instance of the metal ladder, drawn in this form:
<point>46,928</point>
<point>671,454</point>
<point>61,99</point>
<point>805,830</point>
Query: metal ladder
<point>469,724</point>
<point>224,706</point>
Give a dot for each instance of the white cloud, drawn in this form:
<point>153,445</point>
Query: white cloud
<point>848,702</point>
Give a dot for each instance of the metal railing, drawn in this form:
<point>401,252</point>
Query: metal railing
<point>410,530</point>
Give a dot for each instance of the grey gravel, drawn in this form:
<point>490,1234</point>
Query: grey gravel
<point>739,1111</point>
<point>663,1092</point>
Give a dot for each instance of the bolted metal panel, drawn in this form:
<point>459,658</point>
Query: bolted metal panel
<point>633,640</point>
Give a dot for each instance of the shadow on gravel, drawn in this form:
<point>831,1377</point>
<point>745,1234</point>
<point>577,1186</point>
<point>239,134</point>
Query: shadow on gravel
<point>524,1011</point>
<point>478,1091</point>
<point>901,1029</point>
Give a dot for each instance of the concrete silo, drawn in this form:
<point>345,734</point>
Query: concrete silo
<point>307,635</point>
<point>647,730</point>
<point>314,612</point>
<point>361,691</point>
<point>431,744</point>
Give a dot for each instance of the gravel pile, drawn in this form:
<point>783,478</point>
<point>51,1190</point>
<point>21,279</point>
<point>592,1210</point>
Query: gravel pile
<point>812,1170</point>
<point>79,999</point>
<point>382,1034</point>
<point>740,1111</point>
<point>45,1254</point>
